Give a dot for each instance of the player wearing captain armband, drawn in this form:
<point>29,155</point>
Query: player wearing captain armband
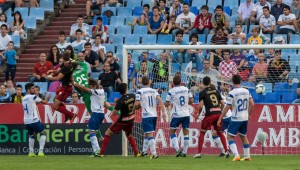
<point>146,98</point>
<point>180,97</point>
<point>32,120</point>
<point>98,103</point>
<point>240,102</point>
<point>213,102</point>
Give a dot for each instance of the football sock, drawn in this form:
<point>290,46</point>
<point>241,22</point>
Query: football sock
<point>186,144</point>
<point>145,144</point>
<point>31,144</point>
<point>151,142</point>
<point>174,141</point>
<point>247,150</point>
<point>200,141</point>
<point>223,140</point>
<point>219,143</point>
<point>42,143</point>
<point>94,142</point>
<point>133,144</point>
<point>104,144</point>
<point>233,148</point>
<point>62,109</point>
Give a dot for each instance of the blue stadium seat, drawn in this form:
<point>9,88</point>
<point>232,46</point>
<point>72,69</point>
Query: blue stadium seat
<point>43,86</point>
<point>294,87</point>
<point>148,39</point>
<point>196,98</point>
<point>132,39</point>
<point>111,29</point>
<point>95,75</point>
<point>136,56</point>
<point>112,9</point>
<point>137,11</point>
<point>124,29</point>
<point>227,10</point>
<point>8,13</point>
<point>120,48</point>
<point>175,68</point>
<point>288,97</point>
<point>209,36</point>
<point>104,20</point>
<point>116,39</point>
<point>129,20</point>
<point>281,87</point>
<point>258,98</point>
<point>164,39</point>
<point>109,47</point>
<point>202,38</point>
<point>272,98</point>
<point>23,86</point>
<point>24,11</point>
<point>140,30</point>
<point>199,3</point>
<point>269,87</point>
<point>194,9</point>
<point>231,3</point>
<point>53,94</point>
<point>161,85</point>
<point>214,3</point>
<point>294,39</point>
<point>133,3</point>
<point>186,38</point>
<point>38,13</point>
<point>16,40</point>
<point>30,23</point>
<point>117,21</point>
<point>124,11</point>
<point>283,35</point>
<point>90,30</point>
<point>146,2</point>
<point>293,58</point>
<point>288,52</point>
<point>113,95</point>
<point>48,5</point>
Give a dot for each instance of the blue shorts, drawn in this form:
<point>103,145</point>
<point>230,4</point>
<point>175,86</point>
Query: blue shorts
<point>96,120</point>
<point>226,123</point>
<point>35,128</point>
<point>149,124</point>
<point>238,127</point>
<point>176,121</point>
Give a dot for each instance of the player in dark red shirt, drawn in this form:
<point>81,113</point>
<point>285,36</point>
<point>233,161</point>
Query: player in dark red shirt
<point>64,74</point>
<point>214,104</point>
<point>126,120</point>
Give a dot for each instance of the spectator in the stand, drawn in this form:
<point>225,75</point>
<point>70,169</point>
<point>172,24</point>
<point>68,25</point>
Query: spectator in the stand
<point>215,58</point>
<point>4,95</point>
<point>160,69</point>
<point>220,19</point>
<point>192,81</point>
<point>244,11</point>
<point>176,8</point>
<point>114,66</point>
<point>278,69</point>
<point>18,96</point>
<point>70,50</point>
<point>238,58</point>
<point>185,21</point>
<point>40,69</point>
<point>214,75</point>
<point>203,23</point>
<point>18,24</point>
<point>169,24</point>
<point>271,55</point>
<point>227,68</point>
<point>277,9</point>
<point>257,11</point>
<point>143,19</point>
<point>294,102</point>
<point>244,71</point>
<point>155,22</point>
<point>4,38</point>
<point>100,29</point>
<point>99,48</point>
<point>137,79</point>
<point>295,9</point>
<point>78,45</point>
<point>145,56</point>
<point>108,79</point>
<point>113,3</point>
<point>179,55</point>
<point>164,11</point>
<point>93,5</point>
<point>54,55</point>
<point>238,36</point>
<point>3,20</point>
<point>288,2</point>
<point>11,57</point>
<point>31,4</point>
<point>92,57</point>
<point>75,98</point>
<point>195,55</point>
<point>287,22</point>
<point>131,68</point>
<point>253,58</point>
<point>10,87</point>
<point>79,26</point>
<point>8,4</point>
<point>267,21</point>
<point>37,92</point>
<point>62,43</point>
<point>255,39</point>
<point>260,70</point>
<point>220,37</point>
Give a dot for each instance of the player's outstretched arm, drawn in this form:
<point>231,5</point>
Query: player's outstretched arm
<point>45,101</point>
<point>56,78</point>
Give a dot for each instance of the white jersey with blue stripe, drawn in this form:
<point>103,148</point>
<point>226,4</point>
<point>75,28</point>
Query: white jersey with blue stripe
<point>179,96</point>
<point>147,97</point>
<point>229,113</point>
<point>31,113</point>
<point>97,100</point>
<point>238,98</point>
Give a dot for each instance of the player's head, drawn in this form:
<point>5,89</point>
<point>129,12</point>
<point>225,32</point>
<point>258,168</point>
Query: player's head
<point>206,81</point>
<point>92,84</point>
<point>177,80</point>
<point>236,79</point>
<point>66,57</point>
<point>30,88</point>
<point>123,88</point>
<point>146,81</point>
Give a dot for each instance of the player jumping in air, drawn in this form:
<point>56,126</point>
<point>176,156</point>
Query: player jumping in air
<point>32,120</point>
<point>180,97</point>
<point>64,75</point>
<point>126,120</point>
<point>214,104</point>
<point>241,103</point>
<point>98,103</point>
<point>146,98</point>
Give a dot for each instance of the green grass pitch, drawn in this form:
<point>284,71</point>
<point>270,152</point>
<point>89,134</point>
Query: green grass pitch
<point>66,162</point>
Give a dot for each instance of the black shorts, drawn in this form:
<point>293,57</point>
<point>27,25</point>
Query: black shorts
<point>96,6</point>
